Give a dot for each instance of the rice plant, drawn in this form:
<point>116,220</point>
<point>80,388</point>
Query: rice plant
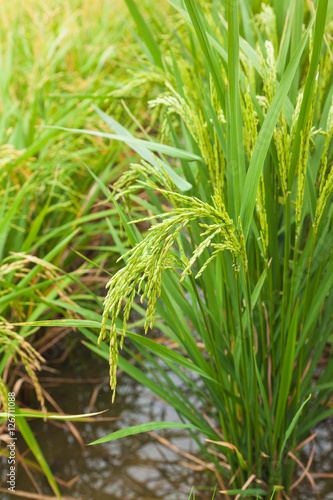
<point>236,268</point>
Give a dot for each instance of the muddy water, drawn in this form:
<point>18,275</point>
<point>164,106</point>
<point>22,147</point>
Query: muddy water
<point>135,467</point>
<point>322,464</point>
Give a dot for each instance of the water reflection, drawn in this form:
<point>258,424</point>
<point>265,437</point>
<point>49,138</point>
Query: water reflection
<point>137,467</point>
<point>322,463</point>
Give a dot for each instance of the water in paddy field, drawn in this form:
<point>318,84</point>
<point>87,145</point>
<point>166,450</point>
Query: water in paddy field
<point>135,467</point>
<point>322,464</point>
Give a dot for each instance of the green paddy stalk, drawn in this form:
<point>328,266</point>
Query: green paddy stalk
<point>233,438</point>
<point>204,291</point>
<point>228,307</point>
<point>246,381</point>
<point>254,377</point>
<point>194,285</point>
<point>270,313</point>
<point>261,312</point>
<point>290,468</point>
<point>306,301</point>
<point>301,353</point>
<point>285,275</point>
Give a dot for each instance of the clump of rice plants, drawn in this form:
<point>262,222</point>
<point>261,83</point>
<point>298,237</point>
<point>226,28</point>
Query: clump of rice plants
<point>236,269</point>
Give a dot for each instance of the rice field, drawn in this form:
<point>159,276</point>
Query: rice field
<point>166,194</point>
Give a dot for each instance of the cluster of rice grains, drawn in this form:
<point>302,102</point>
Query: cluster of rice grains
<point>146,262</point>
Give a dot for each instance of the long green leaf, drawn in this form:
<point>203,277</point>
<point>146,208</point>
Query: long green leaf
<point>145,32</point>
<point>288,359</point>
<point>236,166</point>
<point>248,492</point>
<point>132,141</point>
<point>62,322</point>
<point>197,21</point>
<point>51,416</point>
<point>291,428</point>
<point>166,353</point>
<point>137,429</point>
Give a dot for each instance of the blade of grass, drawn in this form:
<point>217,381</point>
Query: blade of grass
<point>137,429</point>
<point>236,166</point>
<point>197,21</point>
<point>290,430</point>
<point>132,141</point>
<point>288,360</point>
<point>145,32</point>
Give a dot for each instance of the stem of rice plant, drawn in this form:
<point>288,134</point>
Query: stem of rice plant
<point>285,289</point>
